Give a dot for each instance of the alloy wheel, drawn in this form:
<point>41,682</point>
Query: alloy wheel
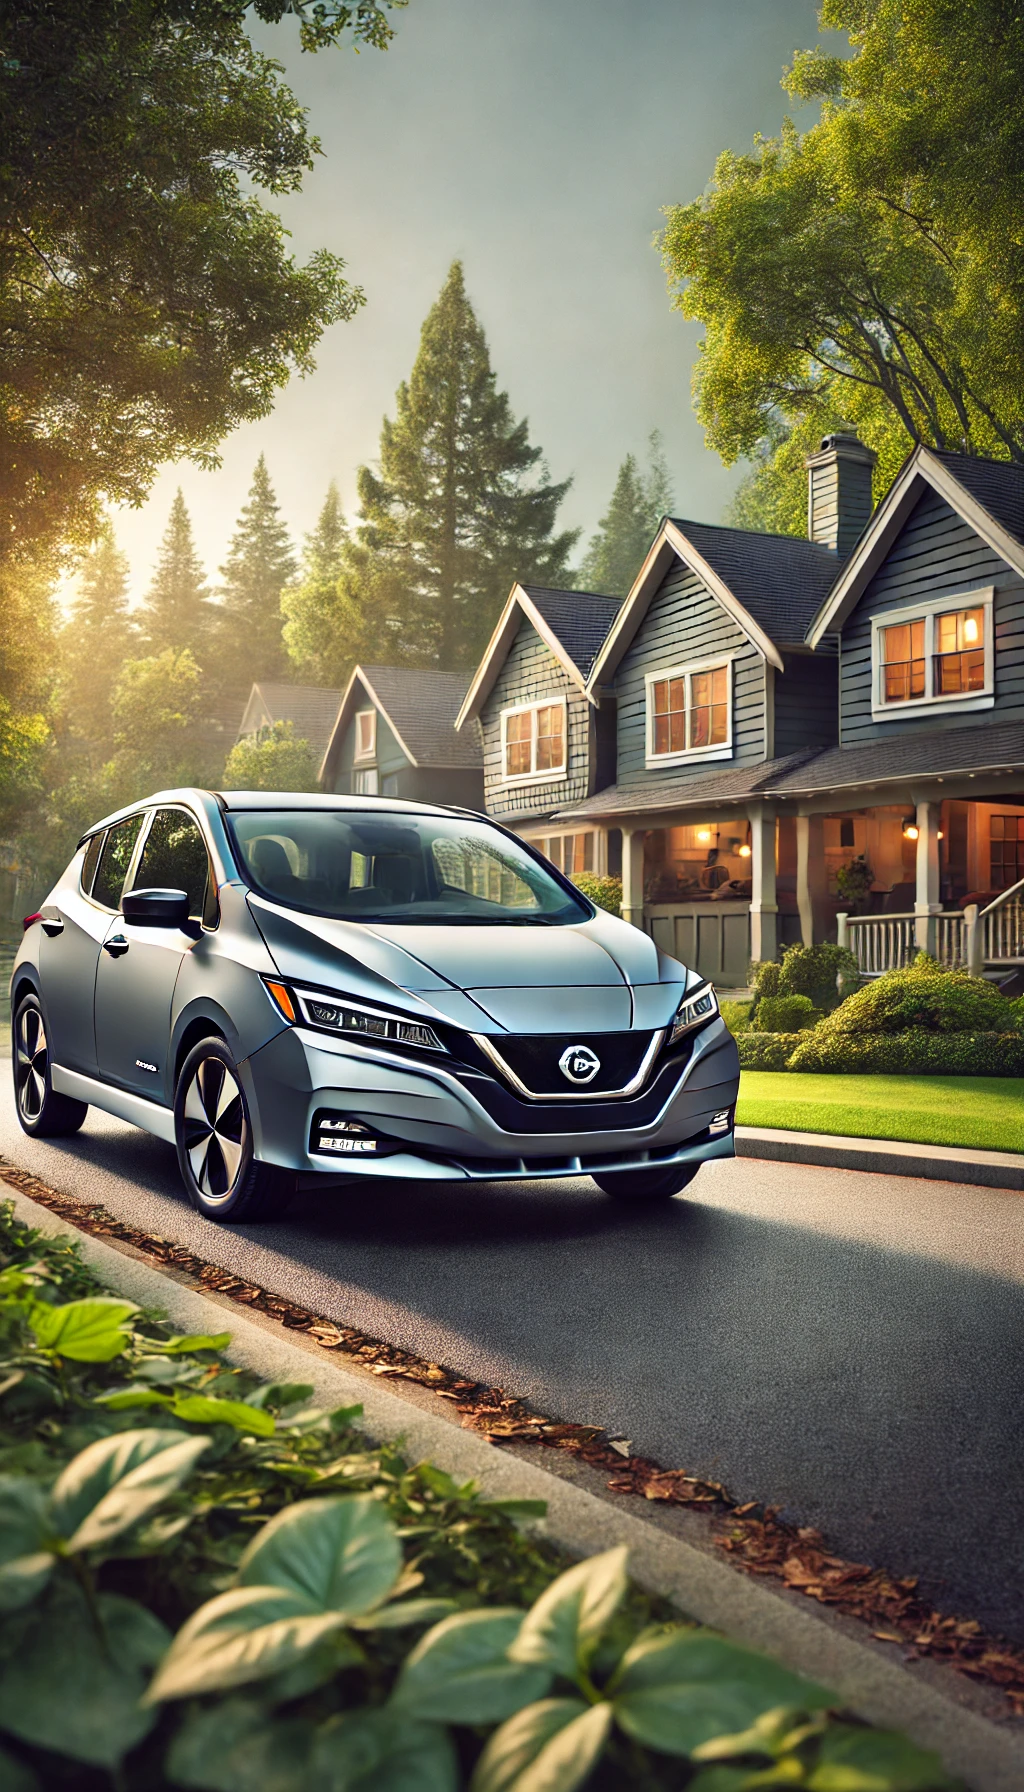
<point>30,1056</point>
<point>214,1129</point>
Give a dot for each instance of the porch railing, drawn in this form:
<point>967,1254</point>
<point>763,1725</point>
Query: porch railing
<point>976,939</point>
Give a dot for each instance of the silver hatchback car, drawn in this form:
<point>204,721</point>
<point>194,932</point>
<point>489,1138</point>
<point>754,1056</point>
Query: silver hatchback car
<point>317,989</point>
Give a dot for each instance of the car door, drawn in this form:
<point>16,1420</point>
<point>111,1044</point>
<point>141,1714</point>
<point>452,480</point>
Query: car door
<point>74,927</point>
<point>138,966</point>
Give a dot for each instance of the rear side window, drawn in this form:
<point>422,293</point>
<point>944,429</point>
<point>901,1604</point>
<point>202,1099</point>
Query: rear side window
<point>115,858</point>
<point>175,858</point>
<point>89,863</point>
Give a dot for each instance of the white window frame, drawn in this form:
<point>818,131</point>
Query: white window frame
<point>362,753</point>
<point>543,835</point>
<point>371,774</point>
<point>689,755</point>
<point>955,703</point>
<point>559,773</point>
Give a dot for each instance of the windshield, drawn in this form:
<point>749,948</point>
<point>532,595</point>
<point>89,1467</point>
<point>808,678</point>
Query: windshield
<point>394,867</point>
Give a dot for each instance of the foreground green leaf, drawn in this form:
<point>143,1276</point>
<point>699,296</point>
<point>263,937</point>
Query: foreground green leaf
<point>861,1760</point>
<point>339,1554</point>
<point>236,1746</point>
<point>23,1580</point>
<point>550,1747</point>
<point>83,1331</point>
<point>210,1409</point>
<point>563,1626</point>
<point>117,1480</point>
<point>680,1689</point>
<point>241,1636</point>
<point>64,1687</point>
<point>375,1751</point>
<point>195,1341</point>
<point>23,1525</point>
<point>460,1672</point>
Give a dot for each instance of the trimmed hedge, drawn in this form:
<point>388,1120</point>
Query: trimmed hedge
<point>913,1052</point>
<point>925,999</point>
<point>604,892</point>
<point>823,973</point>
<point>786,1014</point>
<point>767,1051</point>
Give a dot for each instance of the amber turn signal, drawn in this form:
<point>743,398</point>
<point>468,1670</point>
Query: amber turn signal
<point>283,1000</point>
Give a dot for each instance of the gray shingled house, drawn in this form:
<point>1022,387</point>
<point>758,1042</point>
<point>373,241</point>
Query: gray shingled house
<point>546,742</point>
<point>311,710</point>
<point>394,735</point>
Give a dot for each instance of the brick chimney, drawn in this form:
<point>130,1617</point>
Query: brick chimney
<point>839,490</point>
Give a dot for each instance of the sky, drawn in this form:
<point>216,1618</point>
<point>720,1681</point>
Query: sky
<point>538,141</point>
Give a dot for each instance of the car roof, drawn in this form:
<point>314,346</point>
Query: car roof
<point>242,801</point>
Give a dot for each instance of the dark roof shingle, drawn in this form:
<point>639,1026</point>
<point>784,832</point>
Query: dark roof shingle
<point>781,580</point>
<point>936,753</point>
<point>998,485</point>
<point>657,793</point>
<point>311,710</point>
<point>423,706</point>
<point>580,619</point>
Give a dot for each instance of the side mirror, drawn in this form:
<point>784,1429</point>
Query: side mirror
<point>156,908</point>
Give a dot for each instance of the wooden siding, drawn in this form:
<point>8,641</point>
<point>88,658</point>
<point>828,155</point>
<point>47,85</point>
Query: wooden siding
<point>935,554</point>
<point>686,623</point>
<point>531,673</point>
<point>807,701</point>
<point>388,756</point>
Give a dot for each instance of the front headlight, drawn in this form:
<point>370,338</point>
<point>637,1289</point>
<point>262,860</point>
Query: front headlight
<point>336,1014</point>
<point>694,1011</point>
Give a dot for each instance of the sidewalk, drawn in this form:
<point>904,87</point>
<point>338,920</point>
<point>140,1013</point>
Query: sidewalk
<point>884,1157</point>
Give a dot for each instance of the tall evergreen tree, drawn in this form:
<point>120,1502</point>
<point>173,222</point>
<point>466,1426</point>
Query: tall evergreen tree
<point>177,611</point>
<point>311,606</point>
<point>99,636</point>
<point>259,565</point>
<point>450,519</point>
<point>638,503</point>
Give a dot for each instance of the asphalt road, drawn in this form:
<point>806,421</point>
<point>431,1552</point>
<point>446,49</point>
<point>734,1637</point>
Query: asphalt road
<point>848,1347</point>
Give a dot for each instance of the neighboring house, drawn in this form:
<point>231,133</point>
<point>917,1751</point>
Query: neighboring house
<point>311,710</point>
<point>546,743</point>
<point>394,735</point>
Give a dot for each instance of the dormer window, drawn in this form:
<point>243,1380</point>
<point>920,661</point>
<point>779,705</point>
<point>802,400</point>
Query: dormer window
<point>937,656</point>
<point>689,712</point>
<point>366,733</point>
<point>533,741</point>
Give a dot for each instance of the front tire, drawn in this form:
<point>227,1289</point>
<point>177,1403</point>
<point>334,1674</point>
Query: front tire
<point>647,1185</point>
<point>42,1112</point>
<point>213,1134</point>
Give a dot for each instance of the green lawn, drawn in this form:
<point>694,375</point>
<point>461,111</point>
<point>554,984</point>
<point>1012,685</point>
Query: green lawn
<point>982,1111</point>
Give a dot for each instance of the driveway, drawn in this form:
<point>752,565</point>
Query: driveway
<point>847,1347</point>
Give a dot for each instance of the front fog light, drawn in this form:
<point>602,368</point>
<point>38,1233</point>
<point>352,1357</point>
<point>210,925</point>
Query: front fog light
<point>340,1136</point>
<point>721,1122</point>
<point>694,1011</point>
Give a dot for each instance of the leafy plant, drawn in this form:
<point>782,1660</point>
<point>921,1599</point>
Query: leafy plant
<point>604,892</point>
<point>854,881</point>
<point>786,1014</point>
<point>736,1015</point>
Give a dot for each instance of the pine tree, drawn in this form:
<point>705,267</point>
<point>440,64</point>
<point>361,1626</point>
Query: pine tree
<point>311,607</point>
<point>99,636</point>
<point>259,565</point>
<point>449,520</point>
<point>639,501</point>
<point>177,609</point>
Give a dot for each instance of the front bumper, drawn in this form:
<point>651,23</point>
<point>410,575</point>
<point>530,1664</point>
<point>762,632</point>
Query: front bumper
<point>448,1122</point>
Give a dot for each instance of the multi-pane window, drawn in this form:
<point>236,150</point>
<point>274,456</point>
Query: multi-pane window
<point>533,740</point>
<point>1006,837</point>
<point>938,655</point>
<point>571,853</point>
<point>366,733</point>
<point>365,783</point>
<point>689,711</point>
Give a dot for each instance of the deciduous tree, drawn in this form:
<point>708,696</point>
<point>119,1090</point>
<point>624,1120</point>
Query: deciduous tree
<point>275,760</point>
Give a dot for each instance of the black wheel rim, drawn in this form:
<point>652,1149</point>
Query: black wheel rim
<point>30,1059</point>
<point>214,1128</point>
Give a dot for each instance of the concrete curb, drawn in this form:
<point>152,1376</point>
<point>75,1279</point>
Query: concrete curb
<point>988,1756</point>
<point>885,1157</point>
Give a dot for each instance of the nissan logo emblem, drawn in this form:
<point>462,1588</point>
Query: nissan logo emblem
<point>579,1064</point>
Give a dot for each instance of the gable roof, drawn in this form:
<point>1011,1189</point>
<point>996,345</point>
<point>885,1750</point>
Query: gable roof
<point>987,494</point>
<point>572,624</point>
<point>310,709</point>
<point>419,706</point>
<point>771,585</point>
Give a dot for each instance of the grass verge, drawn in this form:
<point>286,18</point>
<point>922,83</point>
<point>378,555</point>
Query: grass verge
<point>978,1112</point>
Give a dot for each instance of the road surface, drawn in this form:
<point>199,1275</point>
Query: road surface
<point>847,1347</point>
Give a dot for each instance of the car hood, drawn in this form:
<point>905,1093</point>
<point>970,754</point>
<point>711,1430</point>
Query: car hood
<point>515,978</point>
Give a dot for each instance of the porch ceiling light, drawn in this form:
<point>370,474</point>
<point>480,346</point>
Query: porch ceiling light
<point>744,852</point>
<point>704,836</point>
<point>911,830</point>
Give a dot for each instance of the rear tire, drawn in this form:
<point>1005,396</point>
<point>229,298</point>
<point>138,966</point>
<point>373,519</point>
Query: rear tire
<point>647,1185</point>
<point>42,1112</point>
<point>213,1134</point>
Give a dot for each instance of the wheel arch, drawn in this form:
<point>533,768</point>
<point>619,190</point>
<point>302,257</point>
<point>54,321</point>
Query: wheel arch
<point>25,982</point>
<point>192,1027</point>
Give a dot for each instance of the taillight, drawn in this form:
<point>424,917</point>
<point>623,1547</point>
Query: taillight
<point>27,922</point>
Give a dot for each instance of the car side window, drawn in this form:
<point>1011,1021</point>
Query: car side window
<point>174,857</point>
<point>115,859</point>
<point>89,863</point>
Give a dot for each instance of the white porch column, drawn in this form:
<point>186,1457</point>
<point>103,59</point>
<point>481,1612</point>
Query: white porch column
<point>633,875</point>
<point>764,907</point>
<point>927,904</point>
<point>810,875</point>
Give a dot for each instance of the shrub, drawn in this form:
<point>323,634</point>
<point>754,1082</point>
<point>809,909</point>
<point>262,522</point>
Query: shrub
<point>786,1014</point>
<point>736,1015</point>
<point>911,1053</point>
<point>767,1051</point>
<point>854,881</point>
<point>923,998</point>
<point>826,973</point>
<point>603,892</point>
<point>763,978</point>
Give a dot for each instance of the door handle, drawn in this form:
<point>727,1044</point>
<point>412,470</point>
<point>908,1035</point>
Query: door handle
<point>117,946</point>
<point>52,925</point>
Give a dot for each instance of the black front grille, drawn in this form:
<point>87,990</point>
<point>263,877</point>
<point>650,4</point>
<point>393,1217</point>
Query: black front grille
<point>513,1113</point>
<point>535,1059</point>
